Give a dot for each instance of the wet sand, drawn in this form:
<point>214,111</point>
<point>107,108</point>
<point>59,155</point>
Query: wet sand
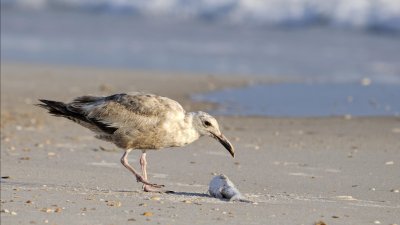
<point>296,170</point>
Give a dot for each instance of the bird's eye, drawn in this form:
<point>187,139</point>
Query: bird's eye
<point>207,124</point>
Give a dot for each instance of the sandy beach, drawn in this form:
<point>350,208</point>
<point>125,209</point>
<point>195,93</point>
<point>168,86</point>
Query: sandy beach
<point>296,170</point>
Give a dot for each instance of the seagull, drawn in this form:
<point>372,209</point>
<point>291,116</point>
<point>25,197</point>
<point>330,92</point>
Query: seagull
<point>139,121</point>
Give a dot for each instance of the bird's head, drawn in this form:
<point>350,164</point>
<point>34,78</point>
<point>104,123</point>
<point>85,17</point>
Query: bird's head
<point>205,124</point>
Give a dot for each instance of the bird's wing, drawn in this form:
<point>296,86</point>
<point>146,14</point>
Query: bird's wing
<point>149,104</point>
<point>134,110</point>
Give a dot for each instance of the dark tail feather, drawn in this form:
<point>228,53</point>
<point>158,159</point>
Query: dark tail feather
<point>55,108</point>
<point>63,110</point>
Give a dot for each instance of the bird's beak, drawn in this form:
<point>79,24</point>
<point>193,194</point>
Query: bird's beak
<point>224,141</point>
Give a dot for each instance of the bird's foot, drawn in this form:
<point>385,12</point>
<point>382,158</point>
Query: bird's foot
<point>148,188</point>
<point>146,183</point>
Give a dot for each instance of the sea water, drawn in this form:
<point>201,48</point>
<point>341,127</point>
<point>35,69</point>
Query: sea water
<point>308,100</point>
<point>332,42</point>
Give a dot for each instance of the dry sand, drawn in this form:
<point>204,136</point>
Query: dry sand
<point>298,171</point>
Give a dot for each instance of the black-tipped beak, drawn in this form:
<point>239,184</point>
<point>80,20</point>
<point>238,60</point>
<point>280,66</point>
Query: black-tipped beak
<point>224,141</point>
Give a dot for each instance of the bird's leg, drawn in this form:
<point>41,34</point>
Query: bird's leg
<point>139,178</point>
<point>143,164</point>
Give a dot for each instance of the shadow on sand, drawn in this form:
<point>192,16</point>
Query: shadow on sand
<point>189,194</point>
<point>100,190</point>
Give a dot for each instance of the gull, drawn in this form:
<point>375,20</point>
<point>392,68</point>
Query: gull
<point>139,121</point>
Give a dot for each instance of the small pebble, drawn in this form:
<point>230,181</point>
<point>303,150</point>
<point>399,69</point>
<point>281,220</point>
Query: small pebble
<point>320,223</point>
<point>395,190</point>
<point>5,211</point>
<point>377,222</point>
<point>14,213</point>
<point>114,203</point>
<point>389,163</point>
<point>57,210</point>
<point>47,210</point>
<point>187,201</point>
<point>155,198</point>
<point>147,214</point>
<point>25,158</point>
<point>39,145</point>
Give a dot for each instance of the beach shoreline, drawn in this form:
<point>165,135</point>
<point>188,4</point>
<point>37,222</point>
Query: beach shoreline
<point>340,170</point>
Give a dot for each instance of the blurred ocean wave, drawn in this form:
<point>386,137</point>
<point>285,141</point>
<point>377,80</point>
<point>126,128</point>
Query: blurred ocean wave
<point>358,14</point>
<point>142,35</point>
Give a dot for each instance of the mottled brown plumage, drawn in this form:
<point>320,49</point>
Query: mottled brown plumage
<point>138,121</point>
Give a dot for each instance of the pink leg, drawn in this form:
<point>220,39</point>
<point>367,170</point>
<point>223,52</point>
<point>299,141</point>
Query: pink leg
<point>139,178</point>
<point>143,164</point>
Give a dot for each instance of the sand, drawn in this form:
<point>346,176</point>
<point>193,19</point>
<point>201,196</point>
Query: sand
<point>296,170</point>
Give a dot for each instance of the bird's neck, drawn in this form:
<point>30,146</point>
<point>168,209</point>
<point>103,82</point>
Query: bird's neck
<point>189,132</point>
